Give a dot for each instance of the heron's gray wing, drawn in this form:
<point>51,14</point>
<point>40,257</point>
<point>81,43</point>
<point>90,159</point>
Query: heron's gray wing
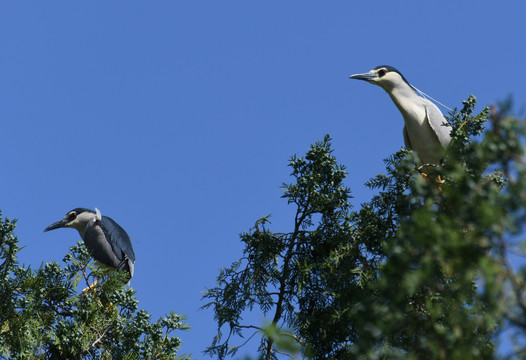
<point>438,123</point>
<point>407,142</point>
<point>119,241</point>
<point>99,247</point>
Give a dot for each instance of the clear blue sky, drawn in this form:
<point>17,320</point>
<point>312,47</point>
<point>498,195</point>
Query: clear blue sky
<point>177,118</point>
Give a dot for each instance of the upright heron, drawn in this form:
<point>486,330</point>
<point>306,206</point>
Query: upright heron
<point>425,129</point>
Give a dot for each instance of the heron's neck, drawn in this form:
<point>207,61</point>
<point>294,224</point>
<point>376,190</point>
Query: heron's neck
<point>81,228</point>
<point>403,96</point>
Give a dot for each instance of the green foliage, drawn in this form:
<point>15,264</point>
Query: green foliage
<point>280,270</point>
<point>422,271</point>
<point>283,340</point>
<point>43,317</point>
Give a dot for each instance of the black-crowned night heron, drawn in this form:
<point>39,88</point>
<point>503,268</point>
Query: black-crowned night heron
<point>425,131</point>
<point>107,242</point>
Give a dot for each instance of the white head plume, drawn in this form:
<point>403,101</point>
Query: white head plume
<point>98,216</point>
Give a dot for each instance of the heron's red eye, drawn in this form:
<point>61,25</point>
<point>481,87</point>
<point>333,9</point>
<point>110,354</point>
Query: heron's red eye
<point>72,216</point>
<point>382,72</point>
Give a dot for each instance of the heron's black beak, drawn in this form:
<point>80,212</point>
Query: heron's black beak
<point>59,224</point>
<point>365,76</point>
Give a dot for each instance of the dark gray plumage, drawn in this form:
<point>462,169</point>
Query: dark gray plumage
<point>106,240</point>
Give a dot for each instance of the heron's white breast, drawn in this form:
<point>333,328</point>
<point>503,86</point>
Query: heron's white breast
<point>422,137</point>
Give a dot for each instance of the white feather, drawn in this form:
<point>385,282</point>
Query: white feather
<point>425,96</point>
<point>98,216</point>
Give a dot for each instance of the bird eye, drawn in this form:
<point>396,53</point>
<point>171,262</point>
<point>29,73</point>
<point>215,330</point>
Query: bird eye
<point>72,216</point>
<point>382,72</point>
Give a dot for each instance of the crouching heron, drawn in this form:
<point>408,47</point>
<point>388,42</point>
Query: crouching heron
<point>106,241</point>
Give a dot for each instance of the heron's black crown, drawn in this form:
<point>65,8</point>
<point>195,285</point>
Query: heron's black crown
<point>81,210</point>
<point>391,69</point>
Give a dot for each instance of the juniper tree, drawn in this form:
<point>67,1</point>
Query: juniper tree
<point>43,316</point>
<point>278,269</point>
<point>421,271</point>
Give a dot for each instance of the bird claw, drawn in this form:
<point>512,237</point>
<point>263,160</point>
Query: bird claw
<point>90,287</point>
<point>426,176</point>
<point>438,179</point>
